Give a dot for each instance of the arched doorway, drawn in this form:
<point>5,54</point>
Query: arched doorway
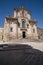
<point>23,34</point>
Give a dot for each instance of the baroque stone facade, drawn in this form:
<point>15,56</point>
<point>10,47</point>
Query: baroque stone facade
<point>19,26</point>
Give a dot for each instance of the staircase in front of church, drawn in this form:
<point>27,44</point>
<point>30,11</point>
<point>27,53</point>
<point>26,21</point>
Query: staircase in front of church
<point>24,40</point>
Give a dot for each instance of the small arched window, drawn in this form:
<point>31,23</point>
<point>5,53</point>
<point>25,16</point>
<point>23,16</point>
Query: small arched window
<point>27,25</point>
<point>18,24</point>
<point>11,29</point>
<point>2,37</point>
<point>33,30</point>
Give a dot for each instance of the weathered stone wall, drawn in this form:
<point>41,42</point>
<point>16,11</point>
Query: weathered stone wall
<point>1,34</point>
<point>29,29</point>
<point>6,31</point>
<point>8,34</point>
<point>40,33</point>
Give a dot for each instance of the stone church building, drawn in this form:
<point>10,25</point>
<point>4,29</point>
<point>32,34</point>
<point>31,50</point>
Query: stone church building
<point>19,26</point>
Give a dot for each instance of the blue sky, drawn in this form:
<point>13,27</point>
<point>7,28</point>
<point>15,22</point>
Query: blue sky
<point>35,6</point>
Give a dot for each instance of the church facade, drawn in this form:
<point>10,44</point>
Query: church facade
<point>19,26</point>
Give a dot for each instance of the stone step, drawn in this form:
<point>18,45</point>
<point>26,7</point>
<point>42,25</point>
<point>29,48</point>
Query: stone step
<point>25,40</point>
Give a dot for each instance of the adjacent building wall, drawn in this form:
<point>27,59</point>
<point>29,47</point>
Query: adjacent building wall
<point>40,33</point>
<point>1,33</point>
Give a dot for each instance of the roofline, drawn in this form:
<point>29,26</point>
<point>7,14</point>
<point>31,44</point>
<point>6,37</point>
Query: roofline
<point>11,18</point>
<point>40,28</point>
<point>22,8</point>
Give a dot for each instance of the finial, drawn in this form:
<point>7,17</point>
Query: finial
<point>22,6</point>
<point>14,8</point>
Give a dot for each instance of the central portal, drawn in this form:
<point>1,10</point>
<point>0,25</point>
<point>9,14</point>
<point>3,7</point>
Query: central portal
<point>24,34</point>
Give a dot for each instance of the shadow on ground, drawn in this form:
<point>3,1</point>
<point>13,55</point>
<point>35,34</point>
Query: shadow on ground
<point>20,55</point>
